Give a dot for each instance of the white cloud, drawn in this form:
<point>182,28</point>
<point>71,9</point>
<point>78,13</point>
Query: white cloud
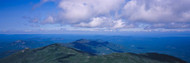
<point>157,10</point>
<point>119,24</point>
<point>156,14</point>
<point>81,10</point>
<point>103,22</point>
<point>123,15</point>
<point>94,23</point>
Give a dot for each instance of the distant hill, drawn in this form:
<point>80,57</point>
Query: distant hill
<point>96,46</point>
<point>12,47</point>
<point>57,53</point>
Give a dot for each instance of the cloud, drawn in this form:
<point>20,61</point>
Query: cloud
<point>157,10</point>
<point>103,22</point>
<point>169,26</point>
<point>168,14</point>
<point>143,11</point>
<point>121,14</point>
<point>80,10</point>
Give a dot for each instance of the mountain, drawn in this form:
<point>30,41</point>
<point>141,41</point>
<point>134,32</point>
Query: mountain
<point>96,46</point>
<point>56,53</point>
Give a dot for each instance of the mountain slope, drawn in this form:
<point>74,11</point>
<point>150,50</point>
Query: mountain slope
<point>96,46</point>
<point>9,48</point>
<point>56,53</point>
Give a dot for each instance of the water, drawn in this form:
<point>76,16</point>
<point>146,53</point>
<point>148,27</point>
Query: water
<point>175,46</point>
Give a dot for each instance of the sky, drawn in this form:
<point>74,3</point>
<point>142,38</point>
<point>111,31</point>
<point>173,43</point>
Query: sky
<point>94,16</point>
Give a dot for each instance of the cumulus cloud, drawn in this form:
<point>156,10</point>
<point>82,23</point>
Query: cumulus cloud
<point>80,10</point>
<point>166,14</point>
<point>121,14</point>
<point>157,10</point>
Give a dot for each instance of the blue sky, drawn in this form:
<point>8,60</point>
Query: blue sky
<point>94,16</point>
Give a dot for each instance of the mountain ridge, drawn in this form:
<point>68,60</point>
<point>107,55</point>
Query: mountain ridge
<point>99,47</point>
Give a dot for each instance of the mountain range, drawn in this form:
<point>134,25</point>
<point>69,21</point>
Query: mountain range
<point>56,53</point>
<point>99,47</point>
